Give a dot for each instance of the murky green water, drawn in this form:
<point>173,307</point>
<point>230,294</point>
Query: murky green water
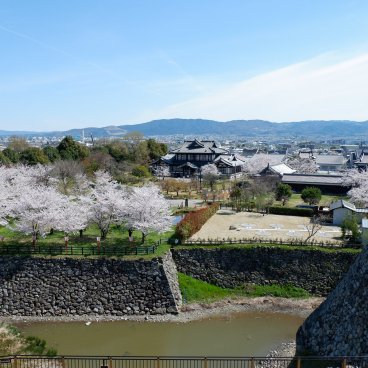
<point>242,334</point>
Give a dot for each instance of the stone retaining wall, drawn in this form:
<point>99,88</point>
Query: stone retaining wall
<point>56,287</point>
<point>338,327</point>
<point>315,271</point>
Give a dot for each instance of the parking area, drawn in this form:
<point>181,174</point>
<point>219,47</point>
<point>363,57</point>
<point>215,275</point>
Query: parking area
<point>228,224</point>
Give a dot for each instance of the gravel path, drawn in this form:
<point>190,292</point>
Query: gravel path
<point>228,224</point>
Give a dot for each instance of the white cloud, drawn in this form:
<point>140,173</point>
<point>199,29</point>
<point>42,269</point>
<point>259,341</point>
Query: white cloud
<point>326,87</point>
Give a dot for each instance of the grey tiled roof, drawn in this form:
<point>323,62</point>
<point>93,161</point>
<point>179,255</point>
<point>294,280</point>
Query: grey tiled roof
<point>199,147</point>
<point>230,160</point>
<point>312,179</point>
<point>340,203</point>
<point>345,204</point>
<point>331,160</point>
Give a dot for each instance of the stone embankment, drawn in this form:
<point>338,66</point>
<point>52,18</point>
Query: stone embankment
<point>57,287</point>
<point>313,270</point>
<point>339,326</point>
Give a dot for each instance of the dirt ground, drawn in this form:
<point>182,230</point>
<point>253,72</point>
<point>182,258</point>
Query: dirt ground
<point>244,225</point>
<point>196,311</point>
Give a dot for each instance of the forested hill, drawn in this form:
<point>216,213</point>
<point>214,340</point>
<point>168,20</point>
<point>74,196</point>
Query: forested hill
<point>252,128</point>
<point>246,128</point>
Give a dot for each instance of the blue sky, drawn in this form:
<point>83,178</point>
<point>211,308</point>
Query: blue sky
<point>83,63</point>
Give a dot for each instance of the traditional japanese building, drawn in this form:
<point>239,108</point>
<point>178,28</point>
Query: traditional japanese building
<point>187,160</point>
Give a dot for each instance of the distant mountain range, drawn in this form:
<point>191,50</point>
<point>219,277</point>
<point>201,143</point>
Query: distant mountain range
<point>245,128</point>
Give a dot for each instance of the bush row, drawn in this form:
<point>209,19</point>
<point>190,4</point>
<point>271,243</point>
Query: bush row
<point>304,212</point>
<point>194,221</point>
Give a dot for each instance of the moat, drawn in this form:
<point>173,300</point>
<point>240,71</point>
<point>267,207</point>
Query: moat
<point>241,334</point>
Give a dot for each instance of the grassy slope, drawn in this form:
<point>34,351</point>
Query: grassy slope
<point>285,247</point>
<point>194,290</point>
<point>13,342</point>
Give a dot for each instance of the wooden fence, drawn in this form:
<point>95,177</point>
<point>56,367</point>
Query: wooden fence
<point>77,250</point>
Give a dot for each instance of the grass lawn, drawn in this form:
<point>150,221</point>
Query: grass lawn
<point>117,237</point>
<point>194,290</point>
<point>296,200</point>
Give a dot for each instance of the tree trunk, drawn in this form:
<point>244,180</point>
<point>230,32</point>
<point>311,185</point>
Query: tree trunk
<point>130,232</point>
<point>143,237</point>
<point>81,233</point>
<point>103,234</point>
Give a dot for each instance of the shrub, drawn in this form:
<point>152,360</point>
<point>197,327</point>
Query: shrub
<point>283,192</point>
<point>311,195</point>
<point>194,221</point>
<point>303,212</point>
<point>141,171</point>
<point>350,225</point>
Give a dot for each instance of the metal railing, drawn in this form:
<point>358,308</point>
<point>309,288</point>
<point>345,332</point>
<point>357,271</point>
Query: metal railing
<point>181,362</point>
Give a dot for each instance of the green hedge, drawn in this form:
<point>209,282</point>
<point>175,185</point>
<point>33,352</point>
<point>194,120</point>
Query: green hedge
<point>194,221</point>
<point>304,212</point>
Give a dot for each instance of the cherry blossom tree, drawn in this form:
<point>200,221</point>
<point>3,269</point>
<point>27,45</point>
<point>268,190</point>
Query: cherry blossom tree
<point>107,203</point>
<point>13,181</point>
<point>71,216</point>
<point>358,181</point>
<point>302,165</point>
<point>34,209</point>
<point>29,196</point>
<point>161,171</point>
<point>258,162</point>
<point>148,210</point>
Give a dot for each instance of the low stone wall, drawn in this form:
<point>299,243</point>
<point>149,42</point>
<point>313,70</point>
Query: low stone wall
<point>56,287</point>
<point>315,271</point>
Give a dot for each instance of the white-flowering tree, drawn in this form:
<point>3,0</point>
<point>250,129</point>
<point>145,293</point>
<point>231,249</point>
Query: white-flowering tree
<point>107,203</point>
<point>210,174</point>
<point>358,181</point>
<point>29,196</point>
<point>34,209</point>
<point>15,185</point>
<point>303,165</point>
<point>162,171</point>
<point>258,162</point>
<point>148,210</point>
<point>5,193</point>
<point>71,216</point>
